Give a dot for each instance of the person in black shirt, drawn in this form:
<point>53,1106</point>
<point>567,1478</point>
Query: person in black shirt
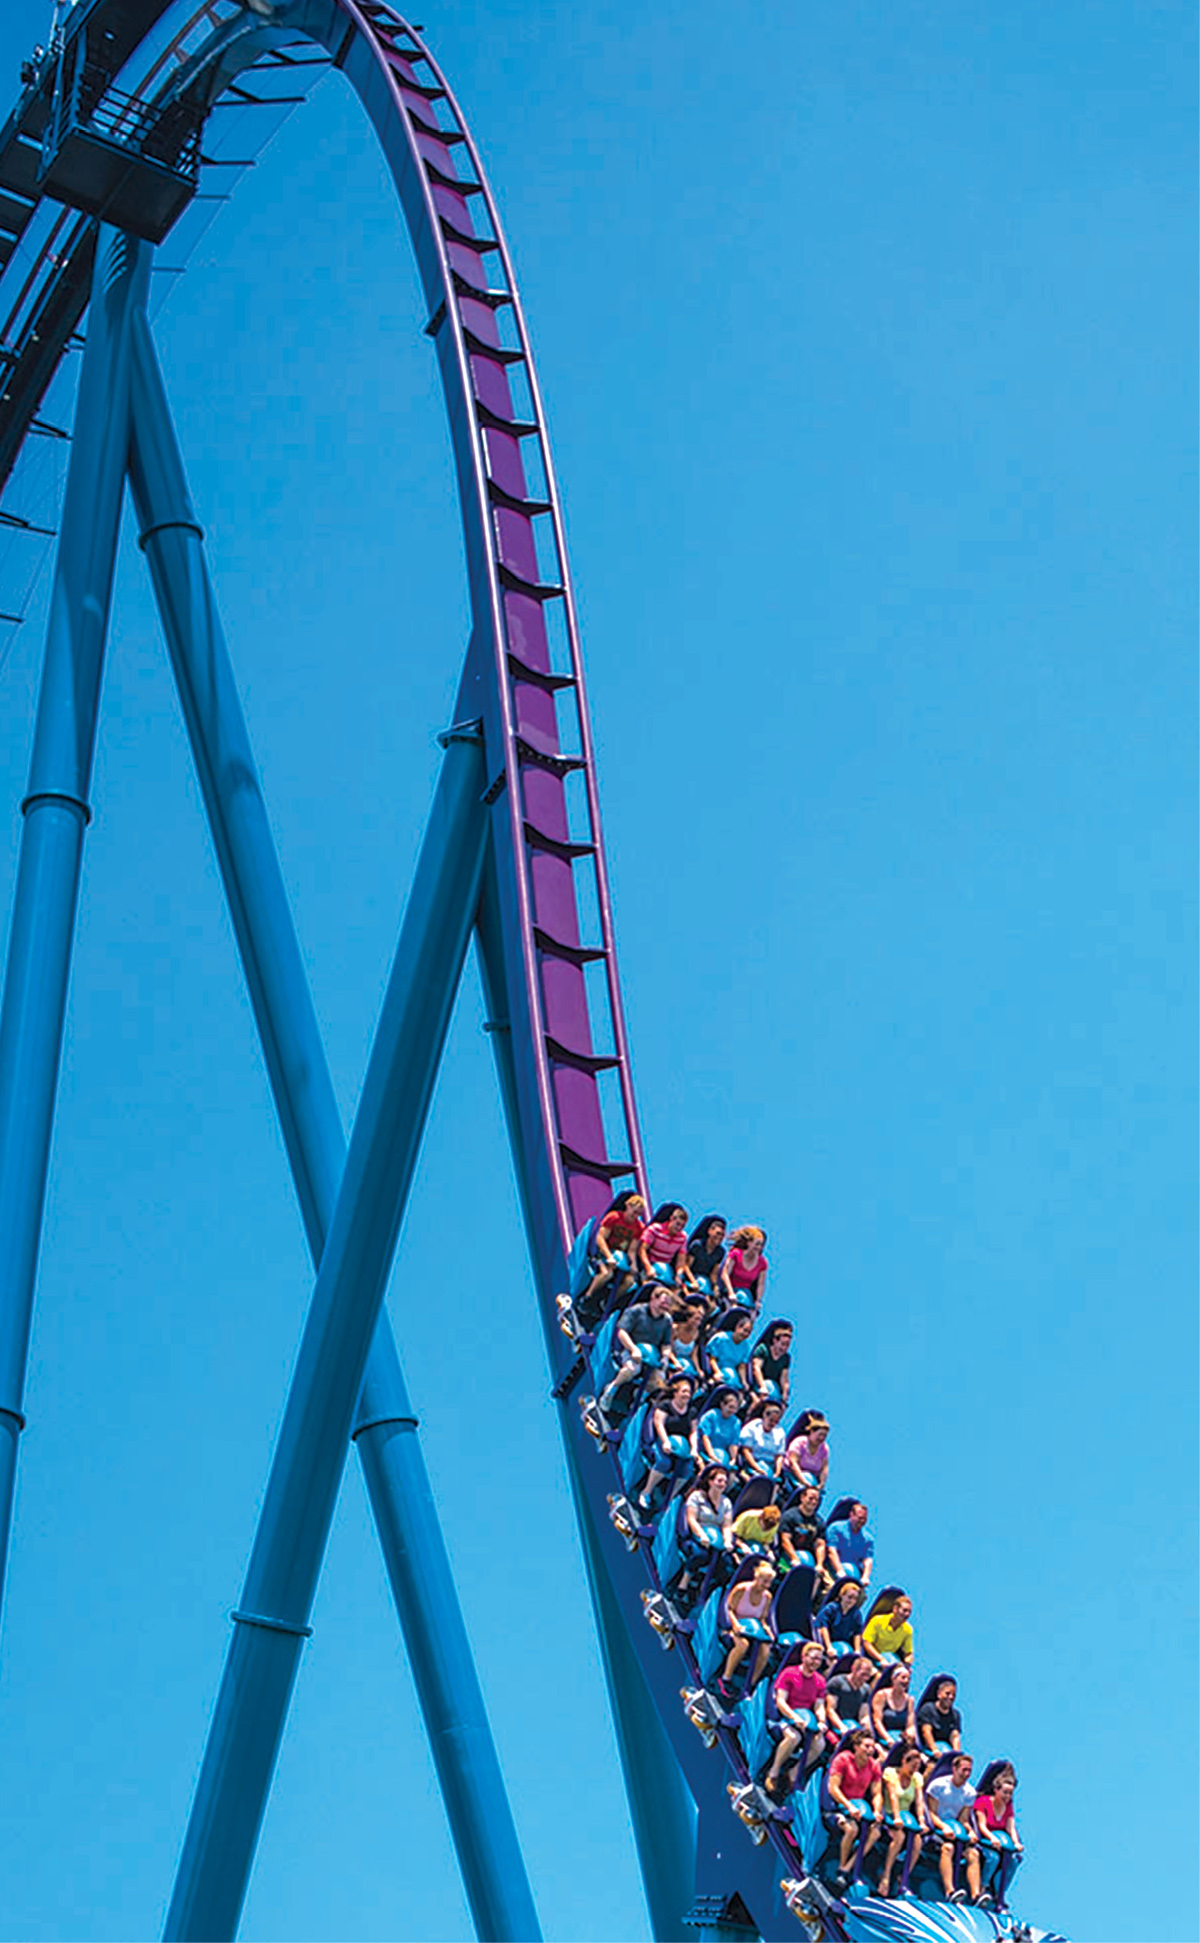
<point>802,1531</point>
<point>938,1719</point>
<point>706,1252</point>
<point>771,1362</point>
<point>674,1449</point>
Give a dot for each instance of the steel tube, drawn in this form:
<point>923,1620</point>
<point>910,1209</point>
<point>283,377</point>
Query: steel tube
<point>402,1500</point>
<point>306,1470</point>
<point>56,813</point>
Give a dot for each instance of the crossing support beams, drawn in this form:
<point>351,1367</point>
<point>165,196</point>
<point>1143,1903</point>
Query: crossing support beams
<point>402,1500</point>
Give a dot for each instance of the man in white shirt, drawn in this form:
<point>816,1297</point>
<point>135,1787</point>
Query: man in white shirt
<point>948,1799</point>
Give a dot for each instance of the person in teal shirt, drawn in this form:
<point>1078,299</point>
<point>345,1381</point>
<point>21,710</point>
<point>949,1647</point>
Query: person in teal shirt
<point>720,1429</point>
<point>727,1352</point>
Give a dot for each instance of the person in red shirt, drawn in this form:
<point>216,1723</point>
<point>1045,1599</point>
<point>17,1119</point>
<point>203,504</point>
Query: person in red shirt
<point>799,1689</point>
<point>619,1232</point>
<point>855,1777</point>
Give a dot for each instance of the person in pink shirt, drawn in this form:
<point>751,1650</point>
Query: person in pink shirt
<point>664,1241</point>
<point>993,1812</point>
<point>744,1270</point>
<point>798,1689</point>
<point>807,1454</point>
<point>855,1777</point>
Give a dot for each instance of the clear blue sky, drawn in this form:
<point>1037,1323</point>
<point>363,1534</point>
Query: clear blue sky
<point>866,336</point>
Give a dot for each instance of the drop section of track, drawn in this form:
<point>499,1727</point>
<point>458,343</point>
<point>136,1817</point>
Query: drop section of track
<point>551,977</point>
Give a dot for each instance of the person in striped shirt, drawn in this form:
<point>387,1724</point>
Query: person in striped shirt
<point>663,1242</point>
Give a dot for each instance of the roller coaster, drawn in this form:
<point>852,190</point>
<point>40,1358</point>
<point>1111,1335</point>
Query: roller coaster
<point>135,123</point>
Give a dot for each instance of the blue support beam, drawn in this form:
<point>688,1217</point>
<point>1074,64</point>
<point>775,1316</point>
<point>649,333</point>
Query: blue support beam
<point>402,1501</point>
<point>293,1530</point>
<point>56,814</point>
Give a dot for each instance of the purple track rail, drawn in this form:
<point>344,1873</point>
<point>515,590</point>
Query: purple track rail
<point>521,573</point>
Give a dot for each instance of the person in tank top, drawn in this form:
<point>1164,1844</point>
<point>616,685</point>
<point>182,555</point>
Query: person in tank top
<point>684,1351</point>
<point>903,1793</point>
<point>892,1713</point>
<point>750,1599</point>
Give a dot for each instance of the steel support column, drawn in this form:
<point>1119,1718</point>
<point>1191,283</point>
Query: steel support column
<point>306,1470</point>
<point>402,1501</point>
<point>56,813</point>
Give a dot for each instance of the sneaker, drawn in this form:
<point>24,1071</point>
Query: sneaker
<point>957,1896</point>
<point>983,1900</point>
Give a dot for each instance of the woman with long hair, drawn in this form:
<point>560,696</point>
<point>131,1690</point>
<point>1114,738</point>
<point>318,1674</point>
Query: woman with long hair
<point>707,1528</point>
<point>663,1244</point>
<point>744,1270</point>
<point>939,1723</point>
<point>806,1459</point>
<point>995,1823</point>
<point>903,1793</point>
<point>705,1253</point>
<point>673,1425</point>
<point>685,1347</point>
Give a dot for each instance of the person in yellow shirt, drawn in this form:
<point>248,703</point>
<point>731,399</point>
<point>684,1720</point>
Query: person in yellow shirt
<point>758,1527</point>
<point>888,1629</point>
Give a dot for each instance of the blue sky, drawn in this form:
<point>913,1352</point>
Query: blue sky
<point>866,338</point>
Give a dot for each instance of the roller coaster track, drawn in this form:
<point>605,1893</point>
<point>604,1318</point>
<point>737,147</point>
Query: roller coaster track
<point>549,953</point>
